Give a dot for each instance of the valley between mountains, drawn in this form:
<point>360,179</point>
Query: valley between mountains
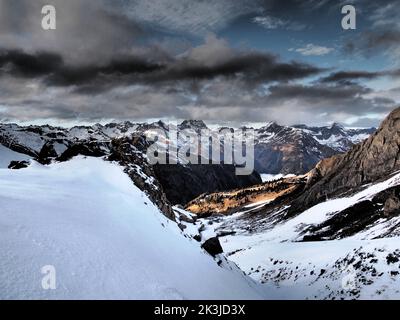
<point>324,223</point>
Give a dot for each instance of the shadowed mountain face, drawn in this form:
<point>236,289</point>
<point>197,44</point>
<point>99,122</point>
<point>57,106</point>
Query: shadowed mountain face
<point>184,183</point>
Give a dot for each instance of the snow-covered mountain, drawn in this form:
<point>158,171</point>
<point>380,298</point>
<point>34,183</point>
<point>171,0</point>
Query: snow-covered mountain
<point>337,136</point>
<point>297,149</point>
<point>278,149</point>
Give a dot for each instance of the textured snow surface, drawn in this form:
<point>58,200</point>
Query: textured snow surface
<point>104,237</point>
<point>339,269</point>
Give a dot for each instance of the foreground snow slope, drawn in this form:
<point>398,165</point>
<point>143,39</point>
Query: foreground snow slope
<point>356,267</point>
<point>337,269</point>
<point>104,237</point>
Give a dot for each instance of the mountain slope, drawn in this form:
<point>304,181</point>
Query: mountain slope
<point>103,236</point>
<point>363,264</point>
<point>374,159</point>
<point>352,199</point>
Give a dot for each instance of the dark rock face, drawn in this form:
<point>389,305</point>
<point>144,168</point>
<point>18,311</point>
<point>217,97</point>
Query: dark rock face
<point>182,184</point>
<point>392,205</point>
<point>212,246</point>
<point>90,149</point>
<point>192,124</point>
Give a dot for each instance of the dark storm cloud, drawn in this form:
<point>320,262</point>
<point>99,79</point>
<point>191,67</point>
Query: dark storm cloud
<point>249,67</point>
<point>340,101</point>
<point>350,75</point>
<point>330,99</point>
<point>112,73</point>
<point>31,65</point>
<point>343,76</point>
<point>317,92</point>
<point>22,64</point>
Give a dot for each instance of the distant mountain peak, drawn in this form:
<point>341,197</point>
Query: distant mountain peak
<point>337,125</point>
<point>193,124</point>
<point>270,126</point>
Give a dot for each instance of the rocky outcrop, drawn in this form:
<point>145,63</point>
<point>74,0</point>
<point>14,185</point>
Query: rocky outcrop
<point>192,124</point>
<point>15,165</point>
<point>212,246</point>
<point>89,149</point>
<point>392,205</point>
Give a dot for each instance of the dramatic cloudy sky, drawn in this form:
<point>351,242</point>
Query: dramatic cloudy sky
<point>227,60</point>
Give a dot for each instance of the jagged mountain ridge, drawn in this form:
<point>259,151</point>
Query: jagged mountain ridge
<point>278,149</point>
<point>297,149</point>
<point>126,143</point>
<point>336,136</point>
